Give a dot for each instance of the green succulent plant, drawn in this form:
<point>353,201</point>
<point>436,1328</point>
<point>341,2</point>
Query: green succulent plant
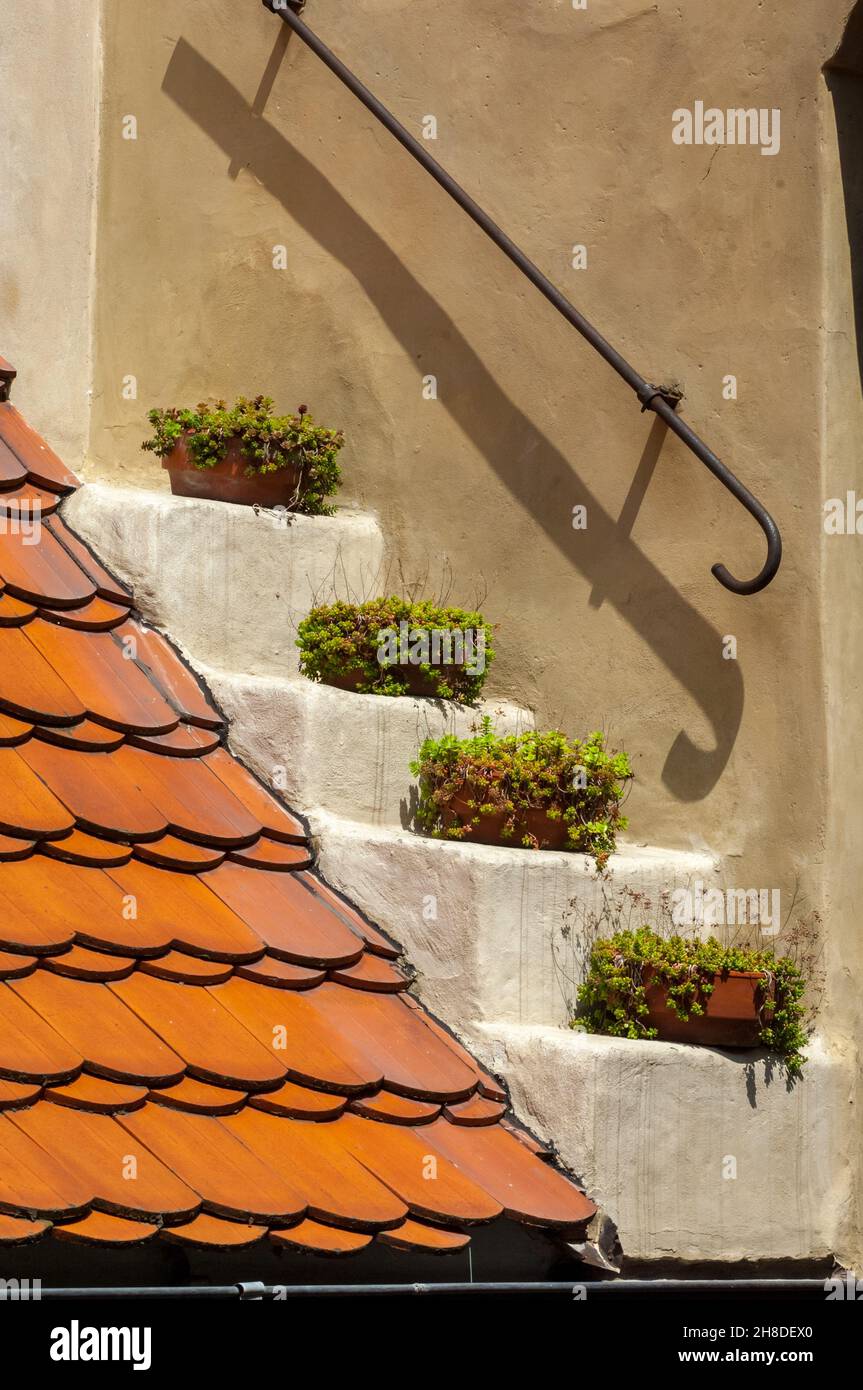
<point>269,442</point>
<point>612,999</point>
<point>338,640</point>
<point>573,781</point>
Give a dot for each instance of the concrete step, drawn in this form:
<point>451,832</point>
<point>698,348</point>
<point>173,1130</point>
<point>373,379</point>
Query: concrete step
<point>230,584</point>
<point>699,1155</point>
<point>496,934</point>
<point>327,748</point>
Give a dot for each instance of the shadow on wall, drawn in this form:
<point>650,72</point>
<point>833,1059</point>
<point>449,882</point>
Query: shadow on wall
<point>844,75</point>
<point>538,476</point>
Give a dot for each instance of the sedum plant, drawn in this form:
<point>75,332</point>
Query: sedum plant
<point>269,442</point>
<point>612,999</point>
<point>574,781</point>
<point>376,642</point>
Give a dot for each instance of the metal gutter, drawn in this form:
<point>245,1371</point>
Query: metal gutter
<point>670,1288</point>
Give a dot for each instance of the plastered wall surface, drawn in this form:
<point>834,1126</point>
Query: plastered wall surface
<point>49,116</point>
<point>702,262</point>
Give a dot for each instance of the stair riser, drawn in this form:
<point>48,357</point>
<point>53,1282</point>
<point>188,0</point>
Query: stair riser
<point>700,1155</point>
<point>483,925</point>
<point>351,753</point>
<point>230,584</point>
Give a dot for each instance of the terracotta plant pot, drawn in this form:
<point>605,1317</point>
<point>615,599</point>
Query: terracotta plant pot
<point>731,1018</point>
<point>551,834</point>
<point>228,481</point>
<point>417,682</point>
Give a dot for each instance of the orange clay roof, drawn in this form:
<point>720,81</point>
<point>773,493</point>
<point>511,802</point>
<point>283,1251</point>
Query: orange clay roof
<point>178,986</point>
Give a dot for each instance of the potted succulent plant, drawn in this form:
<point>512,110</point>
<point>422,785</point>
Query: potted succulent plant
<point>391,646</point>
<point>531,790</point>
<point>247,455</point>
<point>642,985</point>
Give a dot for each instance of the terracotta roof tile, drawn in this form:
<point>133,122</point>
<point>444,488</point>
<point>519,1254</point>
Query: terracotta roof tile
<point>186,741</point>
<point>299,1103</point>
<point>96,790</point>
<point>13,848</point>
<point>32,1179</point>
<point>37,460</point>
<point>289,921</point>
<point>397,1110</point>
<point>232,1178</point>
<point>376,942</point>
<point>213,1042</point>
<point>373,974</point>
<point>113,690</point>
<point>101,1229</point>
<point>281,974</point>
<point>336,1186</point>
<point>90,1155</point>
<point>411,1058</point>
<point>16,1231</point>
<point>14,612</point>
<point>414,1235</point>
<point>32,689</point>
<point>211,1232</point>
<point>194,804</point>
<point>181,855</point>
<point>529,1191</point>
<point>428,1183</point>
<point>175,681</point>
<point>271,854</point>
<point>97,1095</point>
<point>53,929</point>
<point>12,470</point>
<point>80,848</point>
<point>106,585</point>
<point>322,1240</point>
<point>43,572</point>
<point>30,1049</point>
<point>14,1094</point>
<point>186,914</point>
<point>13,731</point>
<point>27,501</point>
<point>14,967</point>
<point>178,987</point>
<point>289,1024</point>
<point>187,970</point>
<point>96,616</point>
<point>476,1111</point>
<point>85,736</point>
<point>200,1098</point>
<point>530,1143</point>
<point>273,819</point>
<point>80,963</point>
<point>96,1022</point>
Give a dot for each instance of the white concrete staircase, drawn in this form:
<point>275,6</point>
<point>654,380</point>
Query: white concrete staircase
<point>495,934</point>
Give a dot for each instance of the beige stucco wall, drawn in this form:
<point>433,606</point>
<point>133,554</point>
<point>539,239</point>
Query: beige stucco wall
<point>49,124</point>
<point>701,263</point>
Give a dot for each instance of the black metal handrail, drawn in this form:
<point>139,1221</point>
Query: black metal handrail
<point>654,398</point>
